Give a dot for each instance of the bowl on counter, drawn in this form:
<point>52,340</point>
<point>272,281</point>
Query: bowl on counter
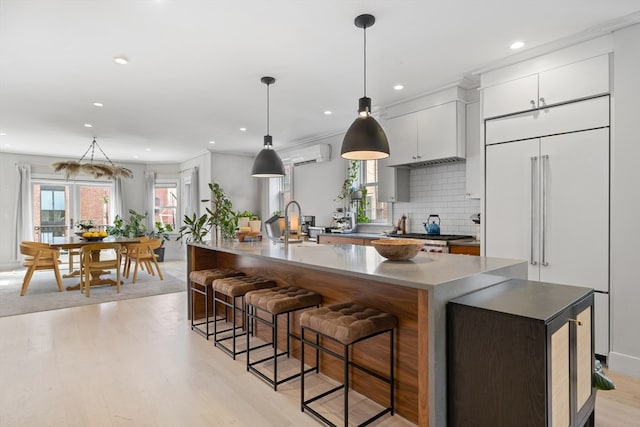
<point>398,249</point>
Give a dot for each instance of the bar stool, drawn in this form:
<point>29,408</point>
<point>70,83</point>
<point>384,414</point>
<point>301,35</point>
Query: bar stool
<point>347,324</point>
<point>201,282</point>
<point>275,302</point>
<point>226,292</point>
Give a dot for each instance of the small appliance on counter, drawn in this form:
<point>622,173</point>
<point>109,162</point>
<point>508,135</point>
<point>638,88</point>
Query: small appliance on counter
<point>342,222</point>
<point>432,227</point>
<point>315,231</point>
<point>306,221</point>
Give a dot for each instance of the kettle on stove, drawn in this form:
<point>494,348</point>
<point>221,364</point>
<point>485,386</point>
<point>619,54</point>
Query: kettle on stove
<point>433,227</point>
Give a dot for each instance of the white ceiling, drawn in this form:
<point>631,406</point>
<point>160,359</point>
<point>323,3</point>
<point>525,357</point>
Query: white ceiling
<point>195,66</point>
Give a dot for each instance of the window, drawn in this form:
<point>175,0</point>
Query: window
<point>59,205</point>
<point>280,190</point>
<point>165,205</point>
<point>369,208</point>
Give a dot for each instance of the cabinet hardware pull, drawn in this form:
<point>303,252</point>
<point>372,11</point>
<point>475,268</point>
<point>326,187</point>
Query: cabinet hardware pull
<point>533,103</point>
<point>534,161</point>
<point>545,163</point>
<point>575,321</point>
<point>542,100</point>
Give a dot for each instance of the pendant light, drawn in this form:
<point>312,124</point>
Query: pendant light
<point>365,139</point>
<point>267,164</point>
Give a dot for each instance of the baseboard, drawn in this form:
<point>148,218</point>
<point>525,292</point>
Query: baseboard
<point>7,266</point>
<point>624,364</point>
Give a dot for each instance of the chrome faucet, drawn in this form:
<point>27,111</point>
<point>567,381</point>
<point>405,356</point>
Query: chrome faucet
<point>287,228</point>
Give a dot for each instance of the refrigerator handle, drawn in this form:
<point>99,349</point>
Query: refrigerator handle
<point>534,162</point>
<point>545,162</point>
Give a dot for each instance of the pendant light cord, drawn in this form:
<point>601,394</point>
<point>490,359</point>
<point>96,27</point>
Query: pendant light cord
<point>267,109</point>
<point>365,60</point>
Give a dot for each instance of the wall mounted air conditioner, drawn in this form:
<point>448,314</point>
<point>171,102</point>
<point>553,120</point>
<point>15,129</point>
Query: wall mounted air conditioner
<point>308,155</point>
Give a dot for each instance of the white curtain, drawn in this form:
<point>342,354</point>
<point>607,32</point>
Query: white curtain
<point>118,197</point>
<point>194,197</point>
<point>150,195</point>
<point>24,208</point>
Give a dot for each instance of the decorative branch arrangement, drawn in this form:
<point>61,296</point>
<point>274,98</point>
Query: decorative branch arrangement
<point>98,170</point>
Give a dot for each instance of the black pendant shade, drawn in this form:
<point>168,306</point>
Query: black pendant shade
<point>365,139</point>
<point>267,163</point>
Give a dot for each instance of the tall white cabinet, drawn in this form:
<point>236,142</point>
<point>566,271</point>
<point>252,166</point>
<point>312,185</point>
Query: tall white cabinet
<point>547,197</point>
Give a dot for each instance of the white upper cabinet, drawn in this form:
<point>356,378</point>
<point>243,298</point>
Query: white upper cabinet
<point>473,188</point>
<point>402,133</point>
<point>428,135</point>
<point>571,82</point>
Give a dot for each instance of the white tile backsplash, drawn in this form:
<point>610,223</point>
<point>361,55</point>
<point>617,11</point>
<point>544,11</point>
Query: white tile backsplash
<point>439,190</point>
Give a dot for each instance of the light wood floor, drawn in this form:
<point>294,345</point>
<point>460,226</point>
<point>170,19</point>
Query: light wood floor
<point>136,363</point>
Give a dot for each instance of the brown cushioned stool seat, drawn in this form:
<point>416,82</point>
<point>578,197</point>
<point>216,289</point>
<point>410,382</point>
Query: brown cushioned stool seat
<point>226,291</point>
<point>200,283</point>
<point>347,324</point>
<point>271,303</point>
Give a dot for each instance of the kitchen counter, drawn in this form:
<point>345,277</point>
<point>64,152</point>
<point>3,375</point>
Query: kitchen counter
<point>415,291</point>
<point>464,243</point>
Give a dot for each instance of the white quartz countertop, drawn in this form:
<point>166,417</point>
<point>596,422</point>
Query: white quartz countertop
<point>425,271</point>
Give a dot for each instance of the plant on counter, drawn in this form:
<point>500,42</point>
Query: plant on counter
<point>85,224</point>
<point>361,206</point>
<point>194,229</point>
<point>222,216</point>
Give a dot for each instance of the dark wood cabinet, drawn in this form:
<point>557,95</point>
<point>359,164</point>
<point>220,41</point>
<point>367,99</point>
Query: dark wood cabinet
<point>465,249</point>
<point>521,353</point>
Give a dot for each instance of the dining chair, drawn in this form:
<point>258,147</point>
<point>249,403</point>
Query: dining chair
<point>129,249</point>
<point>144,257</point>
<point>39,256</point>
<point>92,263</point>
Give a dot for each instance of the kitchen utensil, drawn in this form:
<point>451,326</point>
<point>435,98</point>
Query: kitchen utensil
<point>433,227</point>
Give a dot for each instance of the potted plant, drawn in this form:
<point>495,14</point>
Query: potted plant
<point>222,216</point>
<point>160,231</point>
<point>244,218</point>
<point>194,228</point>
<point>133,227</point>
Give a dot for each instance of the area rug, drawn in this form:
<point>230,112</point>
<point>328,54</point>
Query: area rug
<point>43,294</point>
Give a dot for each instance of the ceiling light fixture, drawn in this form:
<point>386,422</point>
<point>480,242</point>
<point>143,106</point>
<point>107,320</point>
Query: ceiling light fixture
<point>243,129</point>
<point>327,113</point>
<point>517,45</point>
<point>98,104</point>
<point>121,60</point>
<point>398,87</point>
<point>88,125</point>
<point>98,170</point>
<point>267,164</point>
<point>365,139</point>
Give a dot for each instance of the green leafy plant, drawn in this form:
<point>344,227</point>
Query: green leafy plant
<point>194,229</point>
<point>347,185</point>
<point>161,231</point>
<point>134,226</point>
<point>361,207</point>
<point>221,213</point>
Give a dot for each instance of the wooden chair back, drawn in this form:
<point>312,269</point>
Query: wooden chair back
<point>92,263</point>
<point>39,256</point>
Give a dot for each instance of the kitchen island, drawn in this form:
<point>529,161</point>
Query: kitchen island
<point>415,291</point>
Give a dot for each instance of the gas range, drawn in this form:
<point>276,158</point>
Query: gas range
<point>433,242</point>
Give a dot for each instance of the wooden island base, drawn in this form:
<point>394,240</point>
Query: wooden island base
<point>409,304</point>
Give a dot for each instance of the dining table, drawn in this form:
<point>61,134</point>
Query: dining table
<point>74,242</point>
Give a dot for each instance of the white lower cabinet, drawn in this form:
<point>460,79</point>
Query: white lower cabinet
<point>547,201</point>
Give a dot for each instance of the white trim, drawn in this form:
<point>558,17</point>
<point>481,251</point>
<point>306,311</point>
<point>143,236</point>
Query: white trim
<point>624,364</point>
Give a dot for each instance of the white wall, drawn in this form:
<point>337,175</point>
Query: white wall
<point>316,186</point>
<point>233,173</point>
<point>625,204</point>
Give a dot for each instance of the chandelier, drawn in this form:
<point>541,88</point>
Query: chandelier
<point>98,170</point>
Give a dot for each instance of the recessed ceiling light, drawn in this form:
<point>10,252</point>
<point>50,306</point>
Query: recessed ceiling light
<point>88,125</point>
<point>398,87</point>
<point>517,45</point>
<point>212,142</point>
<point>3,134</point>
<point>121,60</point>
<point>98,104</point>
<point>147,149</point>
<point>327,113</point>
<point>243,129</point>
